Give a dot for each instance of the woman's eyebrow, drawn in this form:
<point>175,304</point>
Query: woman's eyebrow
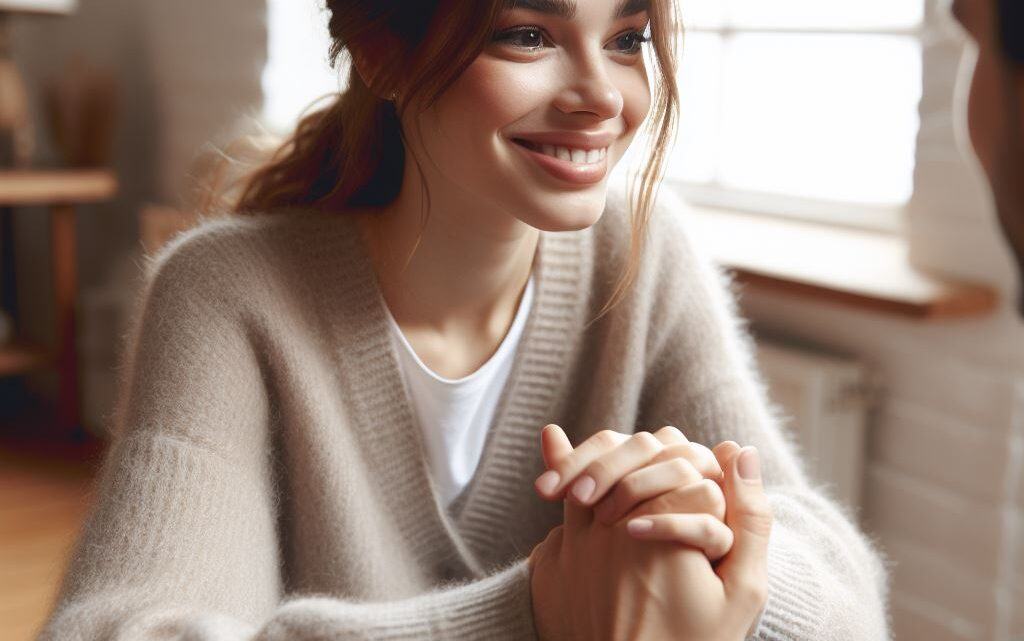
<point>566,9</point>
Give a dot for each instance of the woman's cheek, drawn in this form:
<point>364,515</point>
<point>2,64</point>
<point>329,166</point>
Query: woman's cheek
<point>503,89</point>
<point>489,97</point>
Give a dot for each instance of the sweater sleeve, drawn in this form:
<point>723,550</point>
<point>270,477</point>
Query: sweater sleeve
<point>827,580</point>
<point>181,542</point>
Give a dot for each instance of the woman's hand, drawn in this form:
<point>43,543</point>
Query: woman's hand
<point>590,470</point>
<point>646,474</point>
<point>594,581</point>
<point>692,511</point>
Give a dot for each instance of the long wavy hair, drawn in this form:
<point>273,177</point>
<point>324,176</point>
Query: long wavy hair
<point>351,153</point>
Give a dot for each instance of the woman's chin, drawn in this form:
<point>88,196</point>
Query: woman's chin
<point>568,216</point>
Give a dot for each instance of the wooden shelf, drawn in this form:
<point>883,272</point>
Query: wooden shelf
<point>60,191</point>
<point>56,187</point>
<point>858,268</point>
<point>22,356</point>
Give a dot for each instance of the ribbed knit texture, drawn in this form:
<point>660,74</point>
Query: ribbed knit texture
<point>267,482</point>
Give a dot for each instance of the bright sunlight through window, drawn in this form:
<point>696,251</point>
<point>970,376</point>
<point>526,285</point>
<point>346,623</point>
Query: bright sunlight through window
<point>800,100</point>
<point>297,72</point>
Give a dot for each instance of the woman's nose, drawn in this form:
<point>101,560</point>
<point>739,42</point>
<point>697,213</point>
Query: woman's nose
<point>589,89</point>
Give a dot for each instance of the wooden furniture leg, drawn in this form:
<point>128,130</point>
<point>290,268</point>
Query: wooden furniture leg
<point>65,283</point>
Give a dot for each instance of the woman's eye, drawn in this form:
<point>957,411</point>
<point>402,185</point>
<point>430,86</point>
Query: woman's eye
<point>523,37</point>
<point>631,42</point>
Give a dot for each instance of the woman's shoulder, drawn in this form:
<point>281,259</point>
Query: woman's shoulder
<point>229,242</point>
<point>212,261</point>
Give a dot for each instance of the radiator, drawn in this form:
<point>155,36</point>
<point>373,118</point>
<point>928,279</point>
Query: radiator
<point>826,399</point>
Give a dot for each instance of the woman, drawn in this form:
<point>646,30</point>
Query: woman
<point>330,417</point>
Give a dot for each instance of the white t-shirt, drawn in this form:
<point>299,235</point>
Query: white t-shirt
<point>454,415</point>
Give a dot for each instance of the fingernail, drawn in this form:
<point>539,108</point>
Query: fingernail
<point>583,488</point>
<point>547,482</point>
<point>640,526</point>
<point>749,464</point>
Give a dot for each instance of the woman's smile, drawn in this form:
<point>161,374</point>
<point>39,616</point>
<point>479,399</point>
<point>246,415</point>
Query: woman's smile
<point>574,157</point>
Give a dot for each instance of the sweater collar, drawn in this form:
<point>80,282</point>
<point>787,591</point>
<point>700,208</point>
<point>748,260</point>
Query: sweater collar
<point>461,539</point>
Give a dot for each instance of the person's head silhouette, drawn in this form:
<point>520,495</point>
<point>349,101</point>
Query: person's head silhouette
<point>996,108</point>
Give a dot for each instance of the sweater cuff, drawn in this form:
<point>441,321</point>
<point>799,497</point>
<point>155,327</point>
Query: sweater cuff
<point>497,607</point>
<point>795,610</point>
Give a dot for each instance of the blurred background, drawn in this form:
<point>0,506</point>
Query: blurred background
<point>823,161</point>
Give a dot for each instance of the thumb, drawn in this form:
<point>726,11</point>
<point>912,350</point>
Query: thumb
<point>749,515</point>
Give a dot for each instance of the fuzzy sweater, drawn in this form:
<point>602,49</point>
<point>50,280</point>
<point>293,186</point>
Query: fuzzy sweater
<point>266,481</point>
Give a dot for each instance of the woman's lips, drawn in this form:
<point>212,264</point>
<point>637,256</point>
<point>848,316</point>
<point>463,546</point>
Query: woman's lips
<point>578,173</point>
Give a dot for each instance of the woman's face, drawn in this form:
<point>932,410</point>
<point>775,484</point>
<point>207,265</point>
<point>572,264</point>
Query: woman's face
<point>533,127</point>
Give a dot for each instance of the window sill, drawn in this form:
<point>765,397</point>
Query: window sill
<point>862,269</point>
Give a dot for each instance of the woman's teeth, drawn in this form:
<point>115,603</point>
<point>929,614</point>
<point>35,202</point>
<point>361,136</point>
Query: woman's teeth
<point>579,156</point>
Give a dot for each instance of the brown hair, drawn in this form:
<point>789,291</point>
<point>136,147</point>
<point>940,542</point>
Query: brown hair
<point>352,152</point>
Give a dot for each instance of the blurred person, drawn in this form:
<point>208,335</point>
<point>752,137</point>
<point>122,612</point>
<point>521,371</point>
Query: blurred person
<point>995,109</point>
<point>330,424</point>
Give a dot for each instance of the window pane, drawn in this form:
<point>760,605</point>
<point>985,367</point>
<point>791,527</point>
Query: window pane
<point>297,71</point>
<point>821,116</point>
<point>824,117</point>
<point>804,14</point>
<point>695,157</point>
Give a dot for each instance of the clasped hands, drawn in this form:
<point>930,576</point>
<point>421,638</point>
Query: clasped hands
<point>662,539</point>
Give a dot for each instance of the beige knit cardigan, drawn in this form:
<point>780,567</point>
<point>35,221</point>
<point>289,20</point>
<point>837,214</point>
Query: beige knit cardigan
<point>267,482</point>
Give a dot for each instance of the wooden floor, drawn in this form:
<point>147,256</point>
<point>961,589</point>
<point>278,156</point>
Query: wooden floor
<point>44,496</point>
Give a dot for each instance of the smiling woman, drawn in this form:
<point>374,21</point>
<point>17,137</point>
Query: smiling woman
<point>505,65</point>
<point>336,416</point>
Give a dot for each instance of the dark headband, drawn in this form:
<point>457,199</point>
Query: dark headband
<point>1011,28</point>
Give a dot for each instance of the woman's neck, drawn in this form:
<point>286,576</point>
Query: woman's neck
<point>453,284</point>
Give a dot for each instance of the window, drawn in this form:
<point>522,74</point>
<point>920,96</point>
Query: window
<point>801,107</point>
<point>297,72</point>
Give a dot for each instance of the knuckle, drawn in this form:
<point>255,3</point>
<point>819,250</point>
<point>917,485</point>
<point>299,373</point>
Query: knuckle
<point>716,499</point>
<point>606,438</point>
<point>677,450</point>
<point>757,521</point>
<point>647,442</point>
<point>705,457</point>
<point>707,527</point>
<point>669,452</point>
<point>706,492</point>
<point>599,471</point>
<point>753,592</point>
<point>670,433</point>
<point>682,470</point>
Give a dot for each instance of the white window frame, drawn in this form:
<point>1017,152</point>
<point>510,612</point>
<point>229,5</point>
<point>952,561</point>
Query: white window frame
<point>882,218</point>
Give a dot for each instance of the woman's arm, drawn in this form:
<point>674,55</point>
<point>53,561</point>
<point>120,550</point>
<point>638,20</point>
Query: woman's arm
<point>182,542</point>
<point>827,580</point>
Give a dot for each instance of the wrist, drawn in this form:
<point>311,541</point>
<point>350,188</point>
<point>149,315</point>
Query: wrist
<point>542,592</point>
